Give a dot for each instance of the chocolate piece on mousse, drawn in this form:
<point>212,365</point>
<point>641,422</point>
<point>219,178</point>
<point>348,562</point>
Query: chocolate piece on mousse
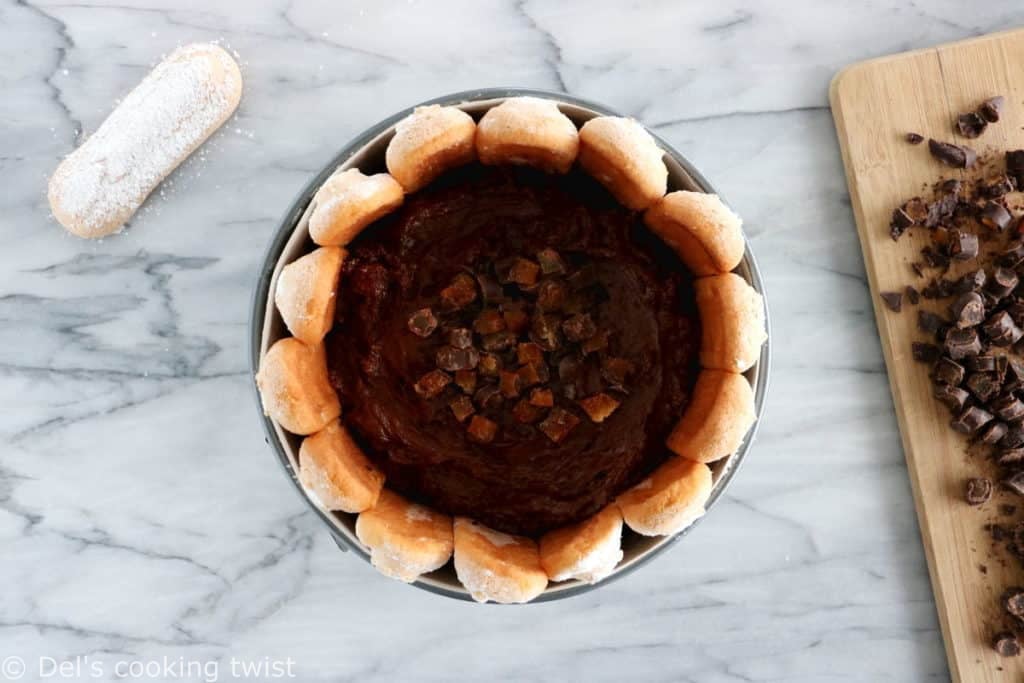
<point>423,322</point>
<point>461,407</point>
<point>481,429</point>
<point>557,425</point>
<point>432,383</point>
<point>460,293</point>
<point>460,337</point>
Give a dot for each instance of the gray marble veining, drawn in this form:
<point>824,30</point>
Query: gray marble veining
<point>141,514</point>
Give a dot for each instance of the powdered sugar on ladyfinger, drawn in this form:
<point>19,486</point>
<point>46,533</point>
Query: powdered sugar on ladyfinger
<point>186,97</point>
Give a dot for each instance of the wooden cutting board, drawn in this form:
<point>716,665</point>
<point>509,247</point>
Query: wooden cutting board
<point>875,103</point>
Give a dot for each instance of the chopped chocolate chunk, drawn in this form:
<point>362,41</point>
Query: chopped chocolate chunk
<point>1013,602</point>
<point>1001,366</point>
<point>995,216</point>
<point>914,138</point>
<point>918,268</point>
<point>1007,510</point>
<point>894,300</point>
<point>451,359</point>
<point>978,490</point>
<point>1008,407</point>
<point>991,108</point>
<point>1015,483</point>
<point>971,282</point>
<point>1016,311</point>
<point>551,262</point>
<point>526,412</point>
<point>980,363</point>
<point>542,398</point>
<point>423,322</point>
<point>984,385</point>
<point>529,352</point>
<point>1005,644</point>
<point>1010,457</point>
<point>599,406</point>
<point>516,319</point>
<point>432,383</point>
<point>531,374</point>
<point>1001,330</point>
<point>557,425</point>
<point>930,322</point>
<point>992,433</point>
<point>510,382</point>
<point>460,293</point>
<point>913,296</point>
<point>901,220</point>
<point>1014,438</point>
<point>488,322</point>
<point>524,272</point>
<point>951,186</point>
<point>598,342</point>
<point>466,380</point>
<point>488,397</point>
<point>544,331</point>
<point>963,246</point>
<point>1002,282</point>
<point>957,156</point>
<point>461,408</point>
<point>580,327</point>
<point>1014,374</point>
<point>569,368</point>
<point>933,258</point>
<point>616,370</point>
<point>949,372</point>
<point>939,288</point>
<point>460,338</point>
<point>970,125</point>
<point>499,341</point>
<point>925,353</point>
<point>1000,187</point>
<point>481,429</point>
<point>552,295</point>
<point>1013,255</point>
<point>1015,165</point>
<point>962,343</point>
<point>968,310</point>
<point>489,364</point>
<point>971,419</point>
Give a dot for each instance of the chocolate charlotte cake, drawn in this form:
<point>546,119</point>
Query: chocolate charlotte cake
<point>495,357</point>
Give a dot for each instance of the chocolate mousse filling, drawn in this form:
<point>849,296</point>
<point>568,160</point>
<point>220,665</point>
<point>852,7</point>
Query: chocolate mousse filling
<point>513,346</point>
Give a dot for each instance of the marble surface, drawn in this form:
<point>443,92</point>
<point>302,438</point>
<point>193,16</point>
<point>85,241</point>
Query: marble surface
<point>141,515</point>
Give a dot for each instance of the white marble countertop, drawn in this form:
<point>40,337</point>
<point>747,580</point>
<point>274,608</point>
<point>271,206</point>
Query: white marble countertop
<point>141,515</point>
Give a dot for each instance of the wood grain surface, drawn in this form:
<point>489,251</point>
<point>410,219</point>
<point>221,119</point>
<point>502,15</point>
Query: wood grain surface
<point>875,103</point>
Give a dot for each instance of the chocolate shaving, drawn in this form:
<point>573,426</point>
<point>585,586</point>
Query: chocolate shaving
<point>914,138</point>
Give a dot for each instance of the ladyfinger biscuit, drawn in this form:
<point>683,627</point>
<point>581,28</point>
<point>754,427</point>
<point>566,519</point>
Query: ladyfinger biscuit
<point>348,202</point>
<point>496,566</point>
<point>588,551</point>
<point>669,500</point>
<point>530,131</point>
<point>182,101</point>
<point>428,142</point>
<point>623,157</point>
<point>296,391</point>
<point>732,322</point>
<point>306,293</point>
<point>405,539</point>
<point>336,473</point>
<point>702,230</point>
<point>718,417</point>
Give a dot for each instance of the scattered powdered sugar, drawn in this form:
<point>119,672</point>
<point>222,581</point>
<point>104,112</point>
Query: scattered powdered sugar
<point>175,108</point>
